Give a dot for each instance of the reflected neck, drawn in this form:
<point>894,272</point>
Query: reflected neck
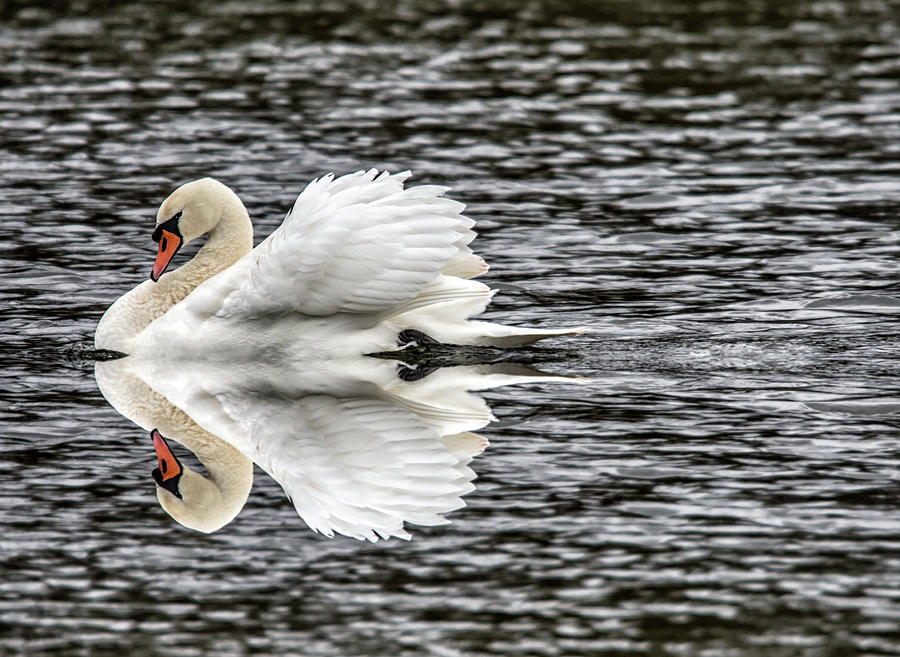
<point>229,475</point>
<point>228,470</point>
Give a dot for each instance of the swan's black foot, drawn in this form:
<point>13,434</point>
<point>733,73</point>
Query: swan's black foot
<point>409,372</point>
<point>413,338</point>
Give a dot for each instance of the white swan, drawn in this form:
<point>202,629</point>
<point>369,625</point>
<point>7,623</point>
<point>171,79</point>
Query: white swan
<point>258,347</point>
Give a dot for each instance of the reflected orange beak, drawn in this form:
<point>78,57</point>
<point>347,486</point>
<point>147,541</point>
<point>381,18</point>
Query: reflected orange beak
<point>169,471</point>
<point>169,243</point>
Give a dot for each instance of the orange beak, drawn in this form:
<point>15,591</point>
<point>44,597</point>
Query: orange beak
<point>169,243</point>
<point>169,471</point>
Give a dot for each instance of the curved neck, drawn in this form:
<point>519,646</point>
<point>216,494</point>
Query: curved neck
<point>227,242</point>
<point>230,474</point>
<point>230,471</point>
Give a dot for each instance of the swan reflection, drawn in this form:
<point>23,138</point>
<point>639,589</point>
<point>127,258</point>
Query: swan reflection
<point>267,356</point>
<point>356,465</point>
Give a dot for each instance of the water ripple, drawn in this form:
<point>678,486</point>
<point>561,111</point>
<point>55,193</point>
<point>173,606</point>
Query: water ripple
<point>712,188</point>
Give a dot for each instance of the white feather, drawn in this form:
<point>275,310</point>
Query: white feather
<point>359,244</point>
<point>358,466</point>
<point>267,353</point>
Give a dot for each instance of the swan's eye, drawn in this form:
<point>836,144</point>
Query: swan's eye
<point>170,225</point>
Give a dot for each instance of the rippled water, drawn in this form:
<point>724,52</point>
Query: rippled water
<point>682,177</point>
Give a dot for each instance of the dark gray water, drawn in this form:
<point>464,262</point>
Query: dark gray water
<point>682,177</point>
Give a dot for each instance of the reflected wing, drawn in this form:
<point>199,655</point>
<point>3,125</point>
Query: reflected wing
<point>360,243</point>
<point>358,466</point>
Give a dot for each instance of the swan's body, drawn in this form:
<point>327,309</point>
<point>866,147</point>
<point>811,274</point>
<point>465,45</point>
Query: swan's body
<point>244,353</point>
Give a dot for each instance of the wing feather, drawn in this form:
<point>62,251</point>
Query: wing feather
<point>357,466</point>
<point>361,243</point>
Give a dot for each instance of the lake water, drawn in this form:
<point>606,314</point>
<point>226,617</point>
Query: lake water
<point>711,187</point>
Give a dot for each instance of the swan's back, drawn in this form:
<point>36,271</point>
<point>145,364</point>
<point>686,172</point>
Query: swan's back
<point>361,243</point>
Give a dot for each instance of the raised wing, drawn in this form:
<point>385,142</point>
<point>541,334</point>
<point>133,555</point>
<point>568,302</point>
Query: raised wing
<point>361,243</point>
<point>357,466</point>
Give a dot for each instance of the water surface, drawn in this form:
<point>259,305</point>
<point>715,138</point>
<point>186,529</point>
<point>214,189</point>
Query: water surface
<point>685,178</point>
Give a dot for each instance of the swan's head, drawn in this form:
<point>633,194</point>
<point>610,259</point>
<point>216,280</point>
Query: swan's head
<point>190,498</point>
<point>192,210</point>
